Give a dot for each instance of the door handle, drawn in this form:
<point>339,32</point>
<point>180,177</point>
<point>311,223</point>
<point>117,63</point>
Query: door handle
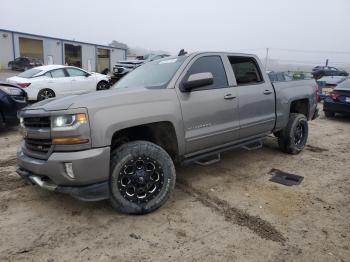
<point>229,96</point>
<point>50,82</point>
<point>73,80</point>
<point>267,92</point>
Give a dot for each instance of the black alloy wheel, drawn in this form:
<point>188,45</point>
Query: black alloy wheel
<point>299,134</point>
<point>140,179</point>
<point>292,139</point>
<point>142,176</point>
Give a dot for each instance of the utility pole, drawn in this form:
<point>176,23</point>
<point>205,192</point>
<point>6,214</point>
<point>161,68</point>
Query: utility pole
<point>327,62</point>
<point>266,58</point>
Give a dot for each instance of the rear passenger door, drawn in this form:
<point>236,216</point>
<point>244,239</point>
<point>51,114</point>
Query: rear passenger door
<point>256,97</point>
<point>210,113</point>
<point>58,82</point>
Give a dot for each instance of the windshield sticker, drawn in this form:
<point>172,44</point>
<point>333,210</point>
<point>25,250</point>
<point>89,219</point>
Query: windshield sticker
<point>170,61</point>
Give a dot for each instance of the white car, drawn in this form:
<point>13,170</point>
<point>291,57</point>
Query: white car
<point>56,81</point>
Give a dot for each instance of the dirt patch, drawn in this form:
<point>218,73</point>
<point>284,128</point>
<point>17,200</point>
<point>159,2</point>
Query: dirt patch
<point>259,226</point>
<point>224,212</point>
<point>8,162</point>
<point>10,181</point>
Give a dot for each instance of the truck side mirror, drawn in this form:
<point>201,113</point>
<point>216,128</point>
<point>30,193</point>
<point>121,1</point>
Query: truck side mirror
<point>197,80</point>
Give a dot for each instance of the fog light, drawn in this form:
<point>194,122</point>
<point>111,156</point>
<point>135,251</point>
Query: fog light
<point>69,169</point>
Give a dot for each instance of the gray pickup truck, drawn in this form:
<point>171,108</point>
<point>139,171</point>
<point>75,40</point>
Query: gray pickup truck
<point>121,144</point>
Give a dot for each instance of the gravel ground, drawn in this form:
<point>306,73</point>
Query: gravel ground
<point>229,211</point>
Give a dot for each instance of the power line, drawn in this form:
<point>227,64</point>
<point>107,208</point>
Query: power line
<point>295,50</point>
<point>311,51</point>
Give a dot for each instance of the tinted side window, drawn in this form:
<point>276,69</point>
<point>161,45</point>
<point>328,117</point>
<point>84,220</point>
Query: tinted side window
<point>75,72</point>
<point>58,73</point>
<point>212,64</point>
<point>246,70</point>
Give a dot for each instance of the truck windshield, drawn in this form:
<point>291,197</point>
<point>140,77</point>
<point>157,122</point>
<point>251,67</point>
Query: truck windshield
<point>153,75</point>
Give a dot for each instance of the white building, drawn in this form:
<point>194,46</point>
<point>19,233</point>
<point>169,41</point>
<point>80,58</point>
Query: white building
<point>50,50</point>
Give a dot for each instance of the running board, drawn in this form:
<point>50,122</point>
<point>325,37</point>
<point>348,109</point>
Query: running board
<point>253,146</point>
<point>209,162</point>
<point>197,158</point>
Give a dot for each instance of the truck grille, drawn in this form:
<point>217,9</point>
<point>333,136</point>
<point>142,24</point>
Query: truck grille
<point>38,145</point>
<point>37,122</point>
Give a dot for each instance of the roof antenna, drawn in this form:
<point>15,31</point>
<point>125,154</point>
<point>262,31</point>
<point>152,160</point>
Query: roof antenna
<point>182,52</point>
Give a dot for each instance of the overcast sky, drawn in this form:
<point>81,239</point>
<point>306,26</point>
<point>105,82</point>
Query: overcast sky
<point>196,25</point>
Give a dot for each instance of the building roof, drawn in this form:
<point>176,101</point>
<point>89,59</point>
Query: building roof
<point>49,67</point>
<point>119,45</point>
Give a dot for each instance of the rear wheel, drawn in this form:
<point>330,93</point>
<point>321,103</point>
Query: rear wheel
<point>292,139</point>
<point>102,85</point>
<point>45,94</point>
<point>142,177</point>
<point>329,114</point>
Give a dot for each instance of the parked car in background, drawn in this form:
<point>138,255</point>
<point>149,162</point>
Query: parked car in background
<point>56,81</point>
<point>121,68</point>
<point>24,63</point>
<point>12,99</point>
<point>326,84</point>
<point>338,100</point>
<point>320,71</point>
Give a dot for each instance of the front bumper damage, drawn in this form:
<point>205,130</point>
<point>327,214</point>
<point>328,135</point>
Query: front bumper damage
<point>90,168</point>
<point>94,192</point>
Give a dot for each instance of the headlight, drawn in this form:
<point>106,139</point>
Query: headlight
<point>13,91</point>
<point>67,120</point>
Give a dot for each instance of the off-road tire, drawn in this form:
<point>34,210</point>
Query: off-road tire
<point>132,151</point>
<point>329,114</point>
<point>286,138</point>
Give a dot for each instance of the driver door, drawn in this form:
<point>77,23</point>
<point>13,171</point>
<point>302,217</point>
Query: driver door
<point>210,113</point>
<point>81,81</point>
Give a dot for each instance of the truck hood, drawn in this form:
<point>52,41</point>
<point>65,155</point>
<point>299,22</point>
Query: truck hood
<point>131,62</point>
<point>54,104</point>
<point>100,99</point>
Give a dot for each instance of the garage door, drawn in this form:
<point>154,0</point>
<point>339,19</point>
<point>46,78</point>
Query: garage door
<point>102,59</point>
<point>72,55</point>
<point>31,48</point>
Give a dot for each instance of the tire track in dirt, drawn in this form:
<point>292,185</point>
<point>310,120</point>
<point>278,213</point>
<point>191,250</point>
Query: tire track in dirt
<point>262,228</point>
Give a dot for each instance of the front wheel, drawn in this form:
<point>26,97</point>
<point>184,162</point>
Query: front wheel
<point>142,177</point>
<point>292,139</point>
